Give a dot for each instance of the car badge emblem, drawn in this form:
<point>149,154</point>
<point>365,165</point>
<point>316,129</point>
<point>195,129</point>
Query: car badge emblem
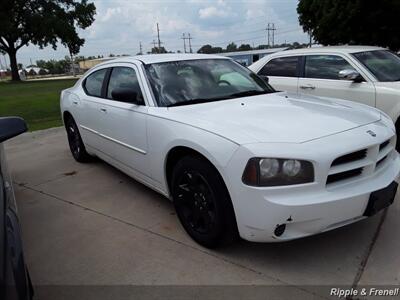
<point>371,133</point>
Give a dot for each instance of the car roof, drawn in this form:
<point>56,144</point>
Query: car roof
<point>328,49</point>
<point>159,58</point>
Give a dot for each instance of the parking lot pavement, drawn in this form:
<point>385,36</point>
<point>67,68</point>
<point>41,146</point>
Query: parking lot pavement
<point>89,224</point>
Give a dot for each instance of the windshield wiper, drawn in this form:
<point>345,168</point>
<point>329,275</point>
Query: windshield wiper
<point>248,93</point>
<point>197,101</point>
<point>231,96</point>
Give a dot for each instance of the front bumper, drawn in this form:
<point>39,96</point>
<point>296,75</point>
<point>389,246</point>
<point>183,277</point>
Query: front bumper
<point>309,208</point>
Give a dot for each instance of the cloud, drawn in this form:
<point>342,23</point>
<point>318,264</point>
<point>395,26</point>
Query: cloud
<point>212,12</point>
<point>111,12</point>
<point>121,24</point>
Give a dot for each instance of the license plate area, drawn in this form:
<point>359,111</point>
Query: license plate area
<point>381,199</point>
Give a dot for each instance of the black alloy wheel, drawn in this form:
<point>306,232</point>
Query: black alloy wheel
<point>202,202</point>
<point>197,202</point>
<point>75,141</point>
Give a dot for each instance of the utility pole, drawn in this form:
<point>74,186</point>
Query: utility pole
<point>155,45</point>
<point>140,47</point>
<point>190,43</point>
<point>184,42</point>
<point>158,37</point>
<point>273,34</point>
<point>310,34</point>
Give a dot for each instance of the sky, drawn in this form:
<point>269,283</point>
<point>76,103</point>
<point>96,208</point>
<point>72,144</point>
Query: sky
<point>120,25</point>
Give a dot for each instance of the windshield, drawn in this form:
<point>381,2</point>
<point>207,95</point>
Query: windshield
<point>385,65</point>
<point>203,80</point>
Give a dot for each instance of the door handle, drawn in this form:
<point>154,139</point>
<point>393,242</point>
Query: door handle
<point>103,110</point>
<point>308,86</point>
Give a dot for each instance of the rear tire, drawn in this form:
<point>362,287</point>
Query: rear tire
<point>397,125</point>
<point>75,142</point>
<point>202,202</point>
<point>398,141</point>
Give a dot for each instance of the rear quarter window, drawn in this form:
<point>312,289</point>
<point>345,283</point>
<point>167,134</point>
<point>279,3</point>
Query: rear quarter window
<point>94,82</point>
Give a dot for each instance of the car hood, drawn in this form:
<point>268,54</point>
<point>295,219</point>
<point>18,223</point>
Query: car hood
<point>277,118</point>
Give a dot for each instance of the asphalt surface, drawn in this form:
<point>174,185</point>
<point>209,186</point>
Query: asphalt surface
<point>91,225</point>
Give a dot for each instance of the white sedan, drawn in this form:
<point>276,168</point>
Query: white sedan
<point>369,75</point>
<point>234,156</point>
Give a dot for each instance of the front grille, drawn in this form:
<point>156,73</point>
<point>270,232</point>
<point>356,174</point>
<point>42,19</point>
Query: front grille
<point>360,163</point>
<point>354,156</point>
<point>383,145</point>
<point>381,161</point>
<point>343,175</point>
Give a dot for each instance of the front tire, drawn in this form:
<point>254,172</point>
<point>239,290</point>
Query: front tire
<point>75,142</point>
<point>202,202</point>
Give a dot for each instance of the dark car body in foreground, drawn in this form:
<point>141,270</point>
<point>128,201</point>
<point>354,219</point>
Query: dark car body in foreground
<point>14,278</point>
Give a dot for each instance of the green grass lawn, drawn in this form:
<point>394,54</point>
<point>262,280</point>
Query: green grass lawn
<point>38,102</point>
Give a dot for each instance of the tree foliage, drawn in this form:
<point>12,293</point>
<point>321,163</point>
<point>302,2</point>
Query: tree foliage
<point>161,49</point>
<point>364,22</point>
<point>208,49</point>
<point>55,66</point>
<point>42,23</point>
<point>231,47</point>
<point>244,47</point>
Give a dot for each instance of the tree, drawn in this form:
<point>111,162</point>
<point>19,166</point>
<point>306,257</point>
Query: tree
<point>332,22</point>
<point>42,23</point>
<point>208,49</point>
<point>231,47</point>
<point>158,50</point>
<point>244,47</point>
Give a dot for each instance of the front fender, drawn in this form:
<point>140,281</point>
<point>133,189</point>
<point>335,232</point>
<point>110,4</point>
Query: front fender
<point>164,135</point>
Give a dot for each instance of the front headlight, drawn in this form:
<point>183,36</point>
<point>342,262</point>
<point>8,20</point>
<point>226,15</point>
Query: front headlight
<point>277,171</point>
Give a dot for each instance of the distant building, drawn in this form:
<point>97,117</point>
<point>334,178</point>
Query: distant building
<point>87,64</point>
<point>73,68</point>
<point>33,70</point>
<point>246,58</point>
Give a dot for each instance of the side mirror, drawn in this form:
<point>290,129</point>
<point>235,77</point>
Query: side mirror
<point>264,77</point>
<point>126,95</point>
<point>11,127</point>
<point>350,74</point>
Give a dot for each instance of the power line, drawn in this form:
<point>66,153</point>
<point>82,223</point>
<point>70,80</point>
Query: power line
<point>235,41</point>
<point>184,42</point>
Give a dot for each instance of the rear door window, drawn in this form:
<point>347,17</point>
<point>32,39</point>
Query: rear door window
<point>325,66</point>
<point>281,66</point>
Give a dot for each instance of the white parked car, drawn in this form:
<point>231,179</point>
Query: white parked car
<point>233,155</point>
<point>369,75</point>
